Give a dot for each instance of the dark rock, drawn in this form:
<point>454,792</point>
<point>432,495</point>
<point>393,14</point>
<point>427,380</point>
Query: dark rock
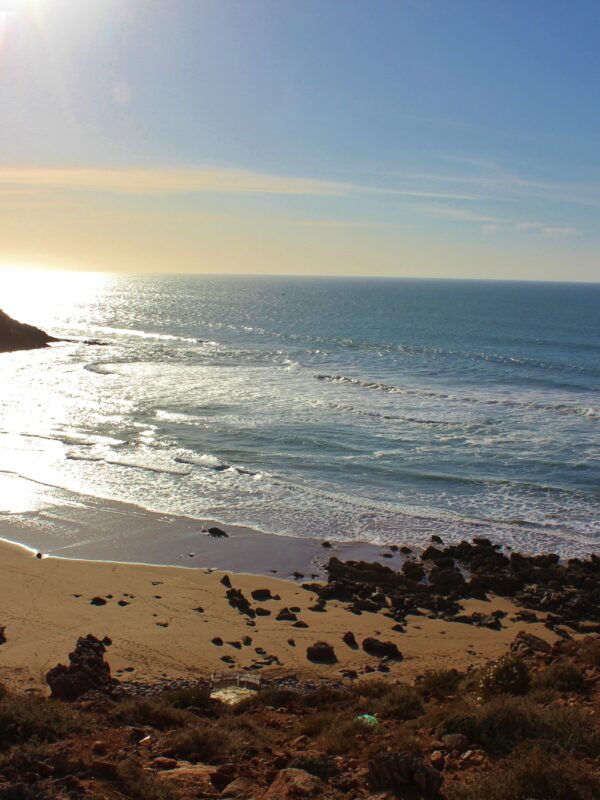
<point>285,615</point>
<point>261,595</point>
<point>87,670</point>
<point>436,539</point>
<point>375,647</point>
<point>97,601</point>
<point>350,640</point>
<point>527,644</point>
<point>406,774</point>
<point>217,533</point>
<point>326,544</point>
<point>300,624</point>
<point>19,336</point>
<point>413,571</point>
<point>321,653</point>
<point>2,634</point>
<point>226,581</point>
<point>237,600</point>
<point>262,612</point>
<point>217,641</point>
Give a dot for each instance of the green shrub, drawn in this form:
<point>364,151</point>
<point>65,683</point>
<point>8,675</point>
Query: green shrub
<point>154,713</point>
<point>560,678</point>
<point>507,675</point>
<point>530,774</point>
<point>29,718</point>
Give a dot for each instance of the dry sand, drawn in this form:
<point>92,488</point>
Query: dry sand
<point>45,606</point>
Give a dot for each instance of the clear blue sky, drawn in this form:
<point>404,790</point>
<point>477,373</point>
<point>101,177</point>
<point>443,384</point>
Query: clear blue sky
<point>410,137</point>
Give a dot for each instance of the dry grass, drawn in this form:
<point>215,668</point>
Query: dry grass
<point>24,719</point>
<point>505,722</point>
<point>531,774</point>
<point>153,713</point>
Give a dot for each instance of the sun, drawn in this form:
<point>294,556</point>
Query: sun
<point>43,296</point>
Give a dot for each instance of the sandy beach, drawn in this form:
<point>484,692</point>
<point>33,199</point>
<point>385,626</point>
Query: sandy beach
<point>151,615</point>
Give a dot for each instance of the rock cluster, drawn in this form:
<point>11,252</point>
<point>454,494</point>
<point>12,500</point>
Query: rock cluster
<point>87,671</point>
<point>569,593</point>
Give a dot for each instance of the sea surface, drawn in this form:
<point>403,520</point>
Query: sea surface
<point>352,409</point>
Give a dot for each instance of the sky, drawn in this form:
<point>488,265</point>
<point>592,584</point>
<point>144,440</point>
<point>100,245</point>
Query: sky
<point>430,138</point>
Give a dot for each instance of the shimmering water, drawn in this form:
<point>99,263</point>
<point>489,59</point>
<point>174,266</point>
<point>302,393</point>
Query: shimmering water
<point>378,410</point>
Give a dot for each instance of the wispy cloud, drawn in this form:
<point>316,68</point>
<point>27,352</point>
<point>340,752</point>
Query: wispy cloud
<point>461,214</point>
<point>195,180</point>
<point>565,231</point>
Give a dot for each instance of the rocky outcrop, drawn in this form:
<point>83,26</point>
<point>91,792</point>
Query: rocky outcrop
<point>293,783</point>
<point>87,671</point>
<point>569,593</point>
<point>19,336</point>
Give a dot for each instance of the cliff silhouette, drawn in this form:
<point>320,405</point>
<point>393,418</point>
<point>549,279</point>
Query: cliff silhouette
<point>20,336</point>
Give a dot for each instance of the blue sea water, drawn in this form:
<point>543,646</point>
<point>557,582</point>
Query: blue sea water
<point>367,409</point>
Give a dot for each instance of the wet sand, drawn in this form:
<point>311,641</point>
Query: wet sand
<point>152,618</point>
<point>105,530</point>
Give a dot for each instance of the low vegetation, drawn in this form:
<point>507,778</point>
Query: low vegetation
<point>533,732</point>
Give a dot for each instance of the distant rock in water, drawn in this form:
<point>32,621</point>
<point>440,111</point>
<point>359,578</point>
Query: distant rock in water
<point>19,336</point>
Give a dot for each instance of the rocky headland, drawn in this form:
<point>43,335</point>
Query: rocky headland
<point>20,336</point>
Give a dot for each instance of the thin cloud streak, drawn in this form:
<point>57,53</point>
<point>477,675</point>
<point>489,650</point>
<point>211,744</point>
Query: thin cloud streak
<point>194,180</point>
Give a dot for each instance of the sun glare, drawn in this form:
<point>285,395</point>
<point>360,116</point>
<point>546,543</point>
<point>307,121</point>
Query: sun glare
<point>41,297</point>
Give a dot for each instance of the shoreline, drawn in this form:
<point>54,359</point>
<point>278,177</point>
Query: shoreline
<point>108,531</point>
<point>163,621</point>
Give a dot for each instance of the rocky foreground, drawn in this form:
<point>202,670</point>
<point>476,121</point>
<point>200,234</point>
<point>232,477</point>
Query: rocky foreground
<point>20,336</point>
<point>521,725</point>
<point>525,726</point>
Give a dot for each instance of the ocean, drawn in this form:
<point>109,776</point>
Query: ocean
<point>375,410</point>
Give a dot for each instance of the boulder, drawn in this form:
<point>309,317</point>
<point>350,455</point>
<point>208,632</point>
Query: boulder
<point>321,653</point>
<point>527,644</point>
<point>217,533</point>
<point>285,615</point>
<point>87,671</point>
<point>261,595</point>
<point>237,600</point>
<point>375,647</point>
<point>405,774</point>
<point>294,783</point>
<point>350,640</point>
